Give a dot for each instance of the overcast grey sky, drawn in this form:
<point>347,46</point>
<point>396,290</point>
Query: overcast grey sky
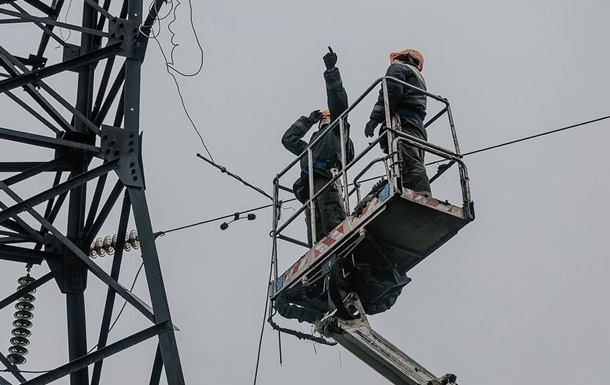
<point>518,296</point>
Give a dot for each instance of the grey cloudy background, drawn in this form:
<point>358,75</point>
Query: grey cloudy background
<point>518,296</point>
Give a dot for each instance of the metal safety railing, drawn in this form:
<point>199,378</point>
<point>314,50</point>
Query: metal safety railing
<point>391,161</point>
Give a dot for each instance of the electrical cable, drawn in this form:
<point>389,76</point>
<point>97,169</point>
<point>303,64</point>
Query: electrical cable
<point>170,65</point>
<point>528,138</point>
<point>229,173</point>
<point>169,70</point>
<point>171,62</point>
<point>157,18</point>
<point>536,136</point>
<point>260,340</point>
<point>65,21</point>
<point>133,284</point>
<point>162,233</point>
<point>377,177</point>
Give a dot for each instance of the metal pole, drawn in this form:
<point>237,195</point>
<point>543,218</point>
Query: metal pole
<point>312,203</point>
<point>75,299</point>
<point>395,166</point>
<point>343,164</point>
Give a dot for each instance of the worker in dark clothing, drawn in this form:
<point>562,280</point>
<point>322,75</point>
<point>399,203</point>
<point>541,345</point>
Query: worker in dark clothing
<point>410,106</point>
<point>326,154</point>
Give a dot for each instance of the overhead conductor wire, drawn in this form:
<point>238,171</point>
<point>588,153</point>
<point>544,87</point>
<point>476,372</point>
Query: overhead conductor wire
<point>465,154</point>
<point>536,136</point>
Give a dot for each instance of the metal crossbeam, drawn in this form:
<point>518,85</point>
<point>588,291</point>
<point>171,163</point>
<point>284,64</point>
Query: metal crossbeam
<point>101,106</point>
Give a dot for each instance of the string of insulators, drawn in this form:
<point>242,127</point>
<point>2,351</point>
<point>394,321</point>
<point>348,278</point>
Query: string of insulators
<point>107,245</point>
<point>22,324</point>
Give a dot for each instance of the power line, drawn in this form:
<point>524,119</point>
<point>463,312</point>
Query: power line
<point>133,284</point>
<point>536,136</point>
<point>466,154</point>
<point>161,233</point>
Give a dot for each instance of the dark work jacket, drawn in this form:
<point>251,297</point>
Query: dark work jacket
<point>409,104</point>
<point>327,152</point>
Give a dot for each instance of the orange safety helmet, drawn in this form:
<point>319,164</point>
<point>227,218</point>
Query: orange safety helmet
<point>412,53</point>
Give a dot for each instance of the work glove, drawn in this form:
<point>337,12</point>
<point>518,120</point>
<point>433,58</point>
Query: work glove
<point>369,129</point>
<point>315,116</point>
<point>330,59</point>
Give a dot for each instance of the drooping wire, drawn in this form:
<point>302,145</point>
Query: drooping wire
<point>175,45</point>
<point>65,21</point>
<point>169,70</point>
<point>133,284</point>
<point>169,62</point>
<point>157,19</point>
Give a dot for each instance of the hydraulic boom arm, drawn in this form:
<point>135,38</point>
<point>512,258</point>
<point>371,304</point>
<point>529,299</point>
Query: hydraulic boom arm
<point>358,338</point>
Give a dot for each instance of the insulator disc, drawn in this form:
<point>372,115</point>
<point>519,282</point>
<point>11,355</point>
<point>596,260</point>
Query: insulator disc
<point>134,239</point>
<point>27,298</point>
<point>108,246</point>
<point>28,306</point>
<point>23,314</point>
<point>22,323</point>
<point>21,287</point>
<point>99,247</point>
<point>92,254</point>
<point>21,332</point>
<point>18,350</point>
<point>20,341</point>
<point>22,281</point>
<point>16,359</point>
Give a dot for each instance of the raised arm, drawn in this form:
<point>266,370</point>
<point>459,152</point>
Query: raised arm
<point>335,92</point>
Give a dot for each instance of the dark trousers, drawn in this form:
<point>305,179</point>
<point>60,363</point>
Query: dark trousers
<point>413,170</point>
<point>329,210</point>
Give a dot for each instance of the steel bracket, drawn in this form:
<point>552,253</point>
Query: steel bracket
<point>126,32</point>
<point>126,145</point>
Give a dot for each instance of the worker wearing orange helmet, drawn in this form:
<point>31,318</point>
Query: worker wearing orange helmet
<point>410,106</point>
<point>326,153</point>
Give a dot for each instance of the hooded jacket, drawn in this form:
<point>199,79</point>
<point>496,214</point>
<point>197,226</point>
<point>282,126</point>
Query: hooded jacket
<point>408,103</point>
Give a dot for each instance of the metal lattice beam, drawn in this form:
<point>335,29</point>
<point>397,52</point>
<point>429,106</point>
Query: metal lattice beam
<point>95,141</point>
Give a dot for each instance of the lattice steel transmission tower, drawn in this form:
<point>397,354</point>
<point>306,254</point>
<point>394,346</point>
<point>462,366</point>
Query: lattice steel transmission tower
<point>78,152</point>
